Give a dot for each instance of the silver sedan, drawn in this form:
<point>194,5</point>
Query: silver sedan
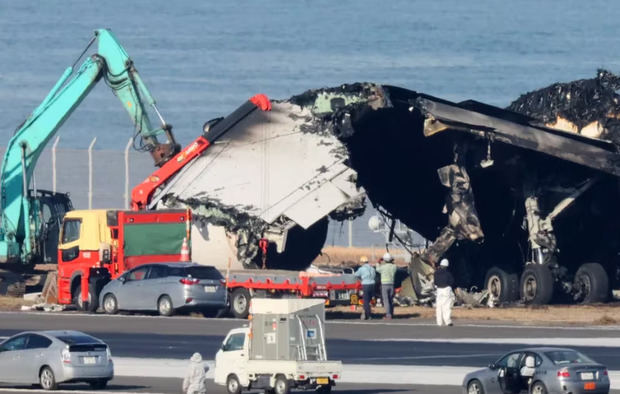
<point>52,357</point>
<point>550,370</point>
<point>165,288</point>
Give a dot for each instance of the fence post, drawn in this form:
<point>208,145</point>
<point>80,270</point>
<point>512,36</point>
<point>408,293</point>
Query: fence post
<point>350,233</point>
<point>54,163</point>
<point>127,173</point>
<point>90,173</point>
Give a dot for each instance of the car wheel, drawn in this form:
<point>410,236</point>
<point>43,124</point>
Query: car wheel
<point>99,384</point>
<point>47,380</point>
<point>282,385</point>
<point>110,304</point>
<point>475,387</point>
<point>591,284</point>
<point>240,303</point>
<point>502,284</point>
<point>537,284</point>
<point>164,306</point>
<point>232,385</point>
<point>538,388</point>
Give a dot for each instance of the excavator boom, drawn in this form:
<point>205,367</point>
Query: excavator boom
<point>21,217</point>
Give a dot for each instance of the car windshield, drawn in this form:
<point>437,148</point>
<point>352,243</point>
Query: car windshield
<point>77,339</point>
<point>560,357</point>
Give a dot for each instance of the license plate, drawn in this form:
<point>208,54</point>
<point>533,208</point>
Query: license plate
<point>89,360</point>
<point>322,380</point>
<point>587,375</point>
<point>210,289</point>
<point>589,386</point>
<point>343,296</point>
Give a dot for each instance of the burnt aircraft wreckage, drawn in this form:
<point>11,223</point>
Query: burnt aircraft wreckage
<point>523,209</point>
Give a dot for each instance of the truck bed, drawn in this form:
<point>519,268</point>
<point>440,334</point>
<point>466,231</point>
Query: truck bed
<point>295,368</point>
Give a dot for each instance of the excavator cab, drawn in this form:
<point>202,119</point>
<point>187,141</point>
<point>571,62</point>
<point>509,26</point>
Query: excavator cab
<point>52,208</point>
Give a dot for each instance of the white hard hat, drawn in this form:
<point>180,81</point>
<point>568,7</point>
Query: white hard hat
<point>444,263</point>
<point>387,257</point>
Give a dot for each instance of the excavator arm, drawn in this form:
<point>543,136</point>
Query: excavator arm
<point>20,216</point>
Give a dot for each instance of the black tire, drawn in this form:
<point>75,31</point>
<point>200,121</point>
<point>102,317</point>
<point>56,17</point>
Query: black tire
<point>232,385</point>
<point>164,306</point>
<point>110,304</point>
<point>282,385</point>
<point>591,284</point>
<point>98,384</point>
<point>324,389</point>
<point>93,300</point>
<point>502,284</point>
<point>240,303</point>
<point>47,379</point>
<point>475,387</point>
<point>538,388</point>
<point>537,284</point>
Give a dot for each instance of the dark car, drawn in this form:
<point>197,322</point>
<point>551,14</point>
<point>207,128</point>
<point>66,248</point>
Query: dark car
<point>553,370</point>
<point>166,288</point>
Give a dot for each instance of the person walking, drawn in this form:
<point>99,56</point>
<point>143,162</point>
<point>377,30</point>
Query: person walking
<point>195,381</point>
<point>367,274</point>
<point>387,269</point>
<point>445,296</point>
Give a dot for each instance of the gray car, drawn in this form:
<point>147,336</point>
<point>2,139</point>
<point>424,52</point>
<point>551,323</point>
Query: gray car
<point>555,370</point>
<point>52,357</point>
<point>165,288</point>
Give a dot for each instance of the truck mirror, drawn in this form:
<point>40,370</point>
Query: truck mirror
<point>225,347</point>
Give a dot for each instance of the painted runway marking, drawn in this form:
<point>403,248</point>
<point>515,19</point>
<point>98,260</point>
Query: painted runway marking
<point>426,357</point>
<point>557,341</point>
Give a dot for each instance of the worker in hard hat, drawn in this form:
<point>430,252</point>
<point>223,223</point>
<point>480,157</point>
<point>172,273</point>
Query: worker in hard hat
<point>445,296</point>
<point>367,274</point>
<point>387,269</point>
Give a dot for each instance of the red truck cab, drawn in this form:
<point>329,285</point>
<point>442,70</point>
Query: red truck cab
<point>99,245</point>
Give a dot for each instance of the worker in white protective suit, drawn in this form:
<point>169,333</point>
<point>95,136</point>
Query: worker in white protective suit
<point>528,370</point>
<point>195,381</point>
<point>445,296</point>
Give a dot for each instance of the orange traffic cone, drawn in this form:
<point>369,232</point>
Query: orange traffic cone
<point>184,250</point>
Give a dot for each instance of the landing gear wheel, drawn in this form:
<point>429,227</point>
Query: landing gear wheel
<point>591,284</point>
<point>475,387</point>
<point>232,385</point>
<point>99,384</point>
<point>110,304</point>
<point>93,302</point>
<point>538,388</point>
<point>47,380</point>
<point>240,303</point>
<point>502,284</point>
<point>282,385</point>
<point>164,306</point>
<point>536,284</point>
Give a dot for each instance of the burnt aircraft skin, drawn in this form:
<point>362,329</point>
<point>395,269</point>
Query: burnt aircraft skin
<point>518,207</point>
<point>398,147</point>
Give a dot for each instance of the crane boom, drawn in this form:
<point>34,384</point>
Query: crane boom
<point>21,222</point>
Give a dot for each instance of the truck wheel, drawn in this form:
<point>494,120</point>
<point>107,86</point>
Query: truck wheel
<point>536,284</point>
<point>282,385</point>
<point>232,385</point>
<point>591,283</point>
<point>240,303</point>
<point>502,284</point>
<point>110,304</point>
<point>164,306</point>
<point>93,301</point>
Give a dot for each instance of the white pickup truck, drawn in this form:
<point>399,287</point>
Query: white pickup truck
<point>282,348</point>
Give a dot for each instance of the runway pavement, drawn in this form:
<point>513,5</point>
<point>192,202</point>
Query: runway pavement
<point>376,353</point>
